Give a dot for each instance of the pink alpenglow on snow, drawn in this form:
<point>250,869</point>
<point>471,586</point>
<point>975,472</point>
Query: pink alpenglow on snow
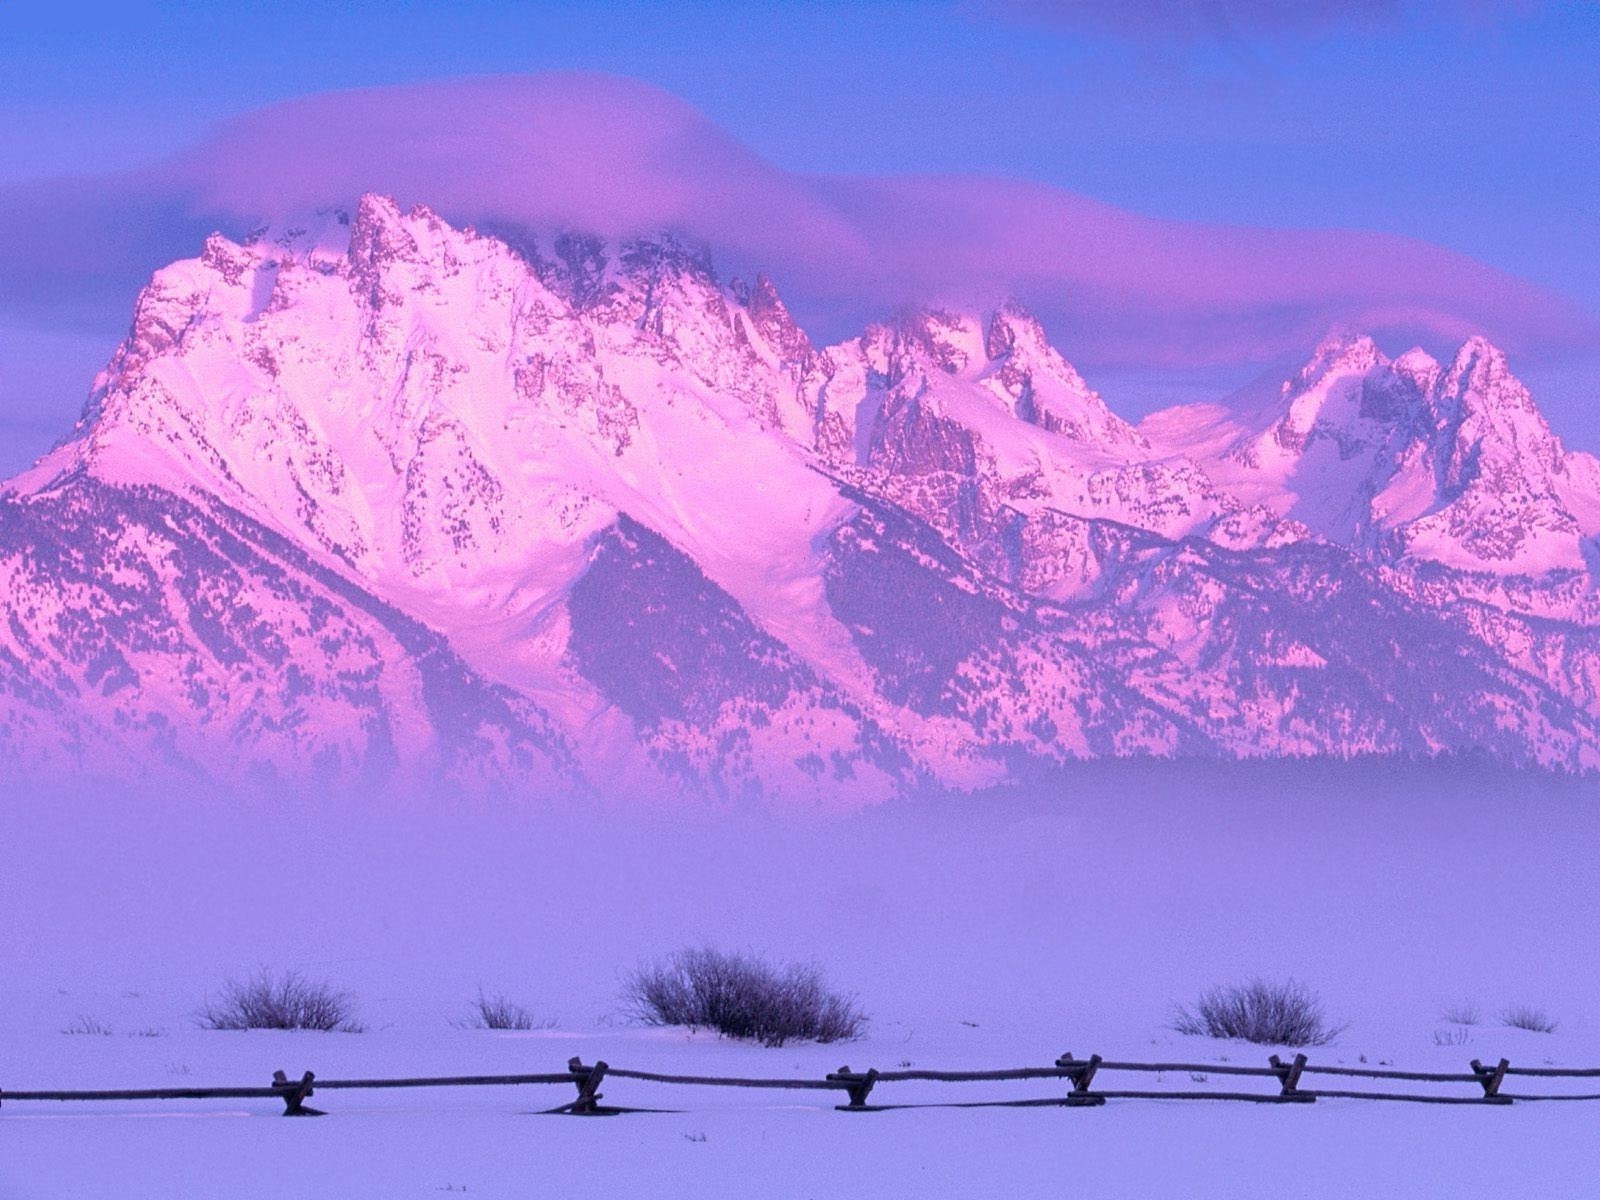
<point>940,537</point>
<point>372,496</point>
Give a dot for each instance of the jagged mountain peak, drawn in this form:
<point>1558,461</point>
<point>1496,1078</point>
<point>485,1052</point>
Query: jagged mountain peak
<point>1496,450</point>
<point>1345,391</point>
<point>1341,352</point>
<point>1349,379</point>
<point>1408,459</point>
<point>1011,326</point>
<point>963,364</point>
<point>1479,378</point>
<point>771,319</point>
<point>591,273</point>
<point>1418,368</point>
<point>380,227</point>
<point>669,254</point>
<point>497,498</point>
<point>918,340</point>
<point>429,289</point>
<point>1478,350</point>
<point>1044,389</point>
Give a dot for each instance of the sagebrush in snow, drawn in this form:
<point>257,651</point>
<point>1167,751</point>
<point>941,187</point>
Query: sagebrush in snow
<point>1464,1012</point>
<point>498,1012</point>
<point>88,1025</point>
<point>286,1001</point>
<point>1525,1016</point>
<point>1271,1014</point>
<point>742,997</point>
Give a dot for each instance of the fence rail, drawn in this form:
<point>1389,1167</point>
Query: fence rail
<point>858,1086</point>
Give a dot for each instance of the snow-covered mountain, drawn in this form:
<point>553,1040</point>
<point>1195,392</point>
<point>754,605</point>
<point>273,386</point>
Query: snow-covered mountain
<point>1406,459</point>
<point>376,497</point>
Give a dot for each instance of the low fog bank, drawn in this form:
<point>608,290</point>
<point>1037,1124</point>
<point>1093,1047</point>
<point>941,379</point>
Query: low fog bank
<point>1092,903</point>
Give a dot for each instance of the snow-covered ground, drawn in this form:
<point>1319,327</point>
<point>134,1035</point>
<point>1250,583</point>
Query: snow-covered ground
<point>979,933</point>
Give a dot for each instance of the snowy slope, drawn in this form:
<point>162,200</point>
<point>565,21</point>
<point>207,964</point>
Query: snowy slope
<point>683,548</point>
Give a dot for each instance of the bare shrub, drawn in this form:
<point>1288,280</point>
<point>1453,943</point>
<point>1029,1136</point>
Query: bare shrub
<point>1272,1014</point>
<point>497,1012</point>
<point>286,1001</point>
<point>742,997</point>
<point>1525,1016</point>
<point>1459,1036</point>
<point>88,1026</point>
<point>1464,1012</point>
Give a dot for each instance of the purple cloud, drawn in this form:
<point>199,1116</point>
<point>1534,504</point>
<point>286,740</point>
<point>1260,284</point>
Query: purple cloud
<point>1228,20</point>
<point>592,152</point>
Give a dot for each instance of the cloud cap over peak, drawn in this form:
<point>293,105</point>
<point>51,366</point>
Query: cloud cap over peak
<point>617,157</point>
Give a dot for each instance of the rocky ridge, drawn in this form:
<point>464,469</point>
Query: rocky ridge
<point>375,497</point>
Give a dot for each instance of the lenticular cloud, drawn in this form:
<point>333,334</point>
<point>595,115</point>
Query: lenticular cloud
<point>618,157</point>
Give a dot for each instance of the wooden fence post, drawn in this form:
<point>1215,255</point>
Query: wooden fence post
<point>294,1093</point>
<point>1289,1073</point>
<point>588,1080</point>
<point>1084,1075</point>
<point>1491,1079</point>
<point>858,1087</point>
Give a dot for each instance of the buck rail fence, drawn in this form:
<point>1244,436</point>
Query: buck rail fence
<point>1289,1077</point>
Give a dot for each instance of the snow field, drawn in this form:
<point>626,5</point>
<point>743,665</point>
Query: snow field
<point>976,934</point>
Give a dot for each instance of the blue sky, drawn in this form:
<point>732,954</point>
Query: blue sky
<point>1475,126</point>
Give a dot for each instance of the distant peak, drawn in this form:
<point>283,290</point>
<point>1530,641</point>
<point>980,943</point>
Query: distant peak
<point>1417,364</point>
<point>375,212</point>
<point>949,341</point>
<point>378,237</point>
<point>1479,367</point>
<point>381,227</point>
<point>927,321</point>
<point>1340,352</point>
<point>1012,326</point>
<point>771,318</point>
<point>578,272</point>
<point>671,253</point>
<point>1481,359</point>
<point>227,258</point>
<point>1479,380</point>
<point>760,295</point>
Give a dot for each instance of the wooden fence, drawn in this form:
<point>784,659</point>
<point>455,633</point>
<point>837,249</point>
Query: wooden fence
<point>1289,1078</point>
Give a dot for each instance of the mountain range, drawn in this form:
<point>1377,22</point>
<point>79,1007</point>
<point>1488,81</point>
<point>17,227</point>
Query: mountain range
<point>373,498</point>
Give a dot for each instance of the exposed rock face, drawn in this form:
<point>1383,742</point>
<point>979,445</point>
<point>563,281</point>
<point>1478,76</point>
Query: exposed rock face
<point>377,498</point>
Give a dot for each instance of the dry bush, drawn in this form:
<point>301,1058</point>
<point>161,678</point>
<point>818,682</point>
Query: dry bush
<point>1464,1012</point>
<point>1525,1016</point>
<point>286,1001</point>
<point>498,1012</point>
<point>742,997</point>
<point>90,1026</point>
<point>1271,1014</point>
